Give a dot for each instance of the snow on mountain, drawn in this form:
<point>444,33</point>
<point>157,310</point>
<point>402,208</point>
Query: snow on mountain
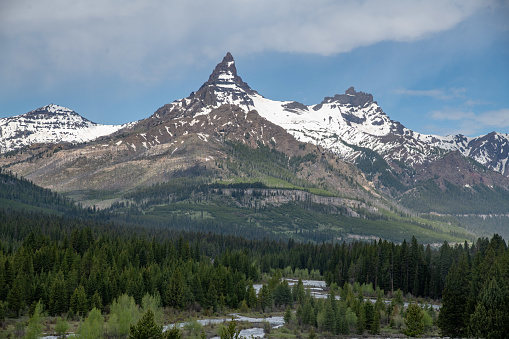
<point>344,124</point>
<point>335,124</point>
<point>341,124</point>
<point>49,124</point>
<point>345,120</point>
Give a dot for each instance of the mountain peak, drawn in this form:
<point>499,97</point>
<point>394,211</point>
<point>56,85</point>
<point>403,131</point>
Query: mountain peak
<point>225,70</point>
<point>52,108</point>
<point>225,76</point>
<point>351,97</point>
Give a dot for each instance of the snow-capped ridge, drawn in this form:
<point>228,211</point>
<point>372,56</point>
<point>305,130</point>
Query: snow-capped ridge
<point>49,124</point>
<point>353,118</point>
<point>52,108</point>
<point>341,123</point>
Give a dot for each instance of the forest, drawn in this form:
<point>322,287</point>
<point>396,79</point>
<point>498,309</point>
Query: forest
<point>73,271</point>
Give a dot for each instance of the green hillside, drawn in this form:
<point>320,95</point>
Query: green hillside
<point>260,192</point>
<point>21,194</point>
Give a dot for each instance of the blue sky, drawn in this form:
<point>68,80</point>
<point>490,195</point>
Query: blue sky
<point>437,66</point>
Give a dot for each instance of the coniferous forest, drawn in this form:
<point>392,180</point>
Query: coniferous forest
<point>102,278</point>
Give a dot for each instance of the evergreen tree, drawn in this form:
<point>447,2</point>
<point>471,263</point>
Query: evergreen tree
<point>491,316</point>
<point>230,332</point>
<point>369,311</point>
<point>136,288</point>
<point>58,300</point>
<point>251,296</point>
<point>298,291</point>
<point>211,299</point>
<point>312,334</point>
<point>329,317</point>
<point>283,294</point>
<point>265,298</point>
<point>453,316</point>
<point>96,301</point>
<point>288,315</point>
<point>414,321</point>
<point>342,322</point>
<point>175,293</point>
<point>78,304</point>
<point>361,320</point>
<point>16,295</point>
<point>175,333</point>
<point>197,289</point>
<point>375,324</point>
<point>146,328</point>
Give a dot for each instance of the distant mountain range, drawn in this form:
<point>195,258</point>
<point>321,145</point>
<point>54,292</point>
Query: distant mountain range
<point>345,148</point>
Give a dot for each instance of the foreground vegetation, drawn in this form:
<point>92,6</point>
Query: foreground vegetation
<point>72,269</point>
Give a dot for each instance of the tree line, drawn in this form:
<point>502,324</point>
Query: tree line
<point>70,266</point>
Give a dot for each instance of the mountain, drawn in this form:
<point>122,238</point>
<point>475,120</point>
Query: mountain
<point>49,124</point>
<point>491,150</point>
<point>343,124</point>
<point>226,158</point>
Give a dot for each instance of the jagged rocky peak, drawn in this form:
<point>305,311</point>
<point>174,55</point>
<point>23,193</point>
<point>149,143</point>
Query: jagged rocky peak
<point>350,97</point>
<point>225,76</point>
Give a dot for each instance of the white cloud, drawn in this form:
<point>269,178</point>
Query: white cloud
<point>141,40</point>
<point>470,123</point>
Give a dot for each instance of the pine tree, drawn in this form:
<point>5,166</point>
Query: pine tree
<point>78,304</point>
<point>375,325</point>
<point>136,288</point>
<point>16,296</point>
<point>58,300</point>
<point>96,301</point>
<point>288,315</point>
<point>329,324</point>
<point>452,318</point>
<point>298,291</point>
<point>491,316</point>
<point>197,289</point>
<point>230,332</point>
<point>175,293</point>
<point>414,321</point>
<point>146,328</point>
<point>361,320</point>
<point>312,334</point>
<point>265,298</point>
<point>174,333</point>
<point>251,296</point>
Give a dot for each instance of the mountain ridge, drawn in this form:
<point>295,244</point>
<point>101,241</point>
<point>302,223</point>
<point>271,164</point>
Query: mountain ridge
<point>350,118</point>
<point>49,124</point>
<point>226,133</point>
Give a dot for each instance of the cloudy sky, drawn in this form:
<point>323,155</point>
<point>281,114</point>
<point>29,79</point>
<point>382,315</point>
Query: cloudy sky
<point>437,66</point>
